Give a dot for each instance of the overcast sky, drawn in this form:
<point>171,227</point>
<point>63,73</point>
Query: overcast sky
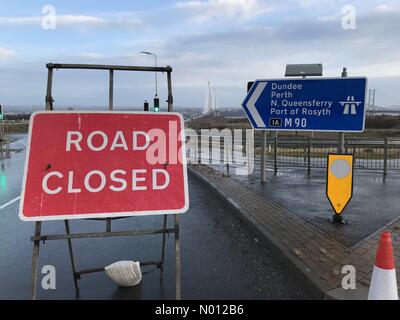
<point>226,42</point>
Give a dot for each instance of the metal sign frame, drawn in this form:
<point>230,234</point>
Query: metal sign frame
<point>38,236</point>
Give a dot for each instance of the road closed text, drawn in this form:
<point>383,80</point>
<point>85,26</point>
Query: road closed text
<point>117,180</point>
<point>96,180</point>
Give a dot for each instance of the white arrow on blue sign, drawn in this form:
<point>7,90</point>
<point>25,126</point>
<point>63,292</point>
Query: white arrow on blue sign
<point>327,104</point>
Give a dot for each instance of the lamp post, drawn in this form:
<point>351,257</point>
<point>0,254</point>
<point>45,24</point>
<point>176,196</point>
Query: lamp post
<point>155,61</point>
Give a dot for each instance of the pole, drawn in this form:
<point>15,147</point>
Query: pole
<point>170,98</point>
<point>385,157</point>
<point>341,148</point>
<point>72,258</point>
<point>276,153</point>
<point>309,155</point>
<point>177,259</point>
<point>35,256</point>
<point>341,143</point>
<point>227,158</point>
<point>155,72</point>
<point>176,217</point>
<point>49,98</point>
<point>163,247</point>
<point>263,156</point>
<point>111,91</point>
<point>155,59</point>
<point>341,134</point>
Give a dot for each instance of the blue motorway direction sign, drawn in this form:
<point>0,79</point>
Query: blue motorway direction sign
<point>327,104</point>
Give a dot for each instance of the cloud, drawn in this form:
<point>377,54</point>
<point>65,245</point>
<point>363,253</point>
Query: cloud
<point>6,53</point>
<point>312,3</point>
<point>80,20</point>
<point>202,10</point>
<point>74,21</point>
<point>63,20</point>
<point>90,55</point>
<point>228,53</point>
<point>230,58</point>
<point>386,7</point>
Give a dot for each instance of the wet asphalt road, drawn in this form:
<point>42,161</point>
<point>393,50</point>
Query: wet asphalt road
<point>221,258</point>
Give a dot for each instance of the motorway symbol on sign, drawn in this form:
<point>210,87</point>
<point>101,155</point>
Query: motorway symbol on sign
<point>328,104</point>
<point>104,164</point>
<point>339,184</point>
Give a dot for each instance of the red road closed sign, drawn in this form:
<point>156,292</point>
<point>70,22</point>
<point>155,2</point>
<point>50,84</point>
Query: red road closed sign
<point>104,164</point>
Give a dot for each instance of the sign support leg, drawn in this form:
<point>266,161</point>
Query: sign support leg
<point>111,91</point>
<point>163,248</point>
<point>170,98</point>
<point>49,98</point>
<point>276,153</point>
<point>71,254</point>
<point>341,143</point>
<point>35,257</point>
<point>341,134</point>
<point>263,156</point>
<point>341,148</point>
<point>177,259</point>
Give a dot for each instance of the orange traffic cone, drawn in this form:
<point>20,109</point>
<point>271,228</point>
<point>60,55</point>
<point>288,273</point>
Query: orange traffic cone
<point>383,283</point>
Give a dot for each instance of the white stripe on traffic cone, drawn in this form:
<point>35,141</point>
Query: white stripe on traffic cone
<point>383,283</point>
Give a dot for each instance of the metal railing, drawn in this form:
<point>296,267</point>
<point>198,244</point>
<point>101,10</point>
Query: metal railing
<point>4,143</point>
<point>375,154</point>
<point>381,154</point>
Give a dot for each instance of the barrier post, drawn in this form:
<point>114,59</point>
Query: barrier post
<point>263,156</point>
<point>385,157</point>
<point>276,153</point>
<point>309,155</point>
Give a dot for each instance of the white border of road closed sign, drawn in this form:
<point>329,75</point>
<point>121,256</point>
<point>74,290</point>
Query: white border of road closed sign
<point>95,164</point>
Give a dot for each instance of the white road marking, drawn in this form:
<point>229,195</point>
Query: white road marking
<point>9,203</point>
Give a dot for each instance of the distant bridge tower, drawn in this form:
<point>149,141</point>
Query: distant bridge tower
<point>371,102</point>
<point>211,102</point>
<point>215,105</point>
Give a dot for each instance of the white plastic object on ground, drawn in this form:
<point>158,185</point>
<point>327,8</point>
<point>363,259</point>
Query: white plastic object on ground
<point>125,273</point>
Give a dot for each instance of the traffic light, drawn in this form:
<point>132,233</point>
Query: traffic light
<point>156,104</point>
<point>1,112</point>
<point>146,106</point>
